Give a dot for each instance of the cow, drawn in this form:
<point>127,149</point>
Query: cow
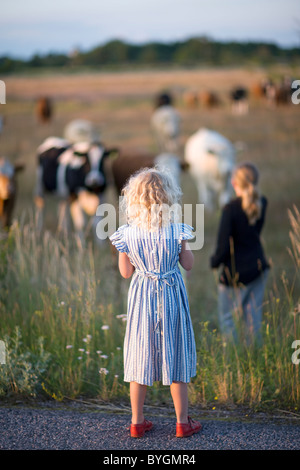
<point>211,158</point>
<point>44,109</point>
<point>81,130</point>
<point>130,161</point>
<point>8,190</point>
<point>258,90</point>
<point>165,124</point>
<point>279,93</point>
<point>75,173</point>
<point>190,99</point>
<point>208,99</point>
<point>239,100</point>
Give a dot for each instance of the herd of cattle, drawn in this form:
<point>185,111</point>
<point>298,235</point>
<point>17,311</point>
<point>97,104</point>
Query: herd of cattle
<point>74,166</point>
<point>271,92</point>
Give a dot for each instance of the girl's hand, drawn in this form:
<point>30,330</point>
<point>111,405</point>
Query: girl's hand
<point>186,257</point>
<point>125,266</point>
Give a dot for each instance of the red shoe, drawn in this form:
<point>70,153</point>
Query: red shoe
<point>138,430</point>
<point>187,429</point>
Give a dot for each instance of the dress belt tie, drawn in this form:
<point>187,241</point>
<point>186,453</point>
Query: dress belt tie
<point>159,278</point>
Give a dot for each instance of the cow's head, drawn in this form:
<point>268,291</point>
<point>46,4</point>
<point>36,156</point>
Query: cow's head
<point>7,178</point>
<point>90,157</point>
<point>95,178</point>
<point>5,187</point>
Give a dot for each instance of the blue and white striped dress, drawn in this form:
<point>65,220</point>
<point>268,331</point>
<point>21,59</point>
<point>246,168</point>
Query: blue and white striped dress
<point>159,341</point>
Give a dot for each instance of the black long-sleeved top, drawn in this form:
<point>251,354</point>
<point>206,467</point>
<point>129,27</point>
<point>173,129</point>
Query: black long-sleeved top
<point>239,248</point>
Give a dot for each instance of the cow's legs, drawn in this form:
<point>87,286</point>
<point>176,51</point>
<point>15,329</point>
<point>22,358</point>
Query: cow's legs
<point>205,196</point>
<point>226,193</point>
<point>224,198</point>
<point>39,199</point>
<point>107,216</point>
<point>63,225</point>
<point>77,217</point>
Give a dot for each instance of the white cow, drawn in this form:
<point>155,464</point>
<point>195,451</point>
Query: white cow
<point>165,124</point>
<point>171,164</point>
<point>211,158</point>
<point>81,130</point>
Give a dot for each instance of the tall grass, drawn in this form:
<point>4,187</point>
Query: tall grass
<point>50,289</point>
<point>62,312</point>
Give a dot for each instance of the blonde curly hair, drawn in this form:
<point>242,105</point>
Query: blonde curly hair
<point>246,177</point>
<point>151,199</point>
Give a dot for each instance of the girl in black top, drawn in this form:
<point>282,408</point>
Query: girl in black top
<point>240,253</point>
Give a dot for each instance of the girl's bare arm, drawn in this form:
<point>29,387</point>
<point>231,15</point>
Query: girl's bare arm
<point>125,266</point>
<point>186,257</point>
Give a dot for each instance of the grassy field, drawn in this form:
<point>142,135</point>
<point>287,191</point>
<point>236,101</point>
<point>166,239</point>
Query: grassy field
<point>62,305</point>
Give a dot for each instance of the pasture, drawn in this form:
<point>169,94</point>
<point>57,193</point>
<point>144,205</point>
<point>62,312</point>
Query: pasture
<point>62,304</point>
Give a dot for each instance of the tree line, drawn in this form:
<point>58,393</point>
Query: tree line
<point>193,52</point>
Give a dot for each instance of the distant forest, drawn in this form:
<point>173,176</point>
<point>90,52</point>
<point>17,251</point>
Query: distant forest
<point>194,52</point>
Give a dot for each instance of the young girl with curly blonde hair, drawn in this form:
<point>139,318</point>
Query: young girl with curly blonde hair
<point>159,341</point>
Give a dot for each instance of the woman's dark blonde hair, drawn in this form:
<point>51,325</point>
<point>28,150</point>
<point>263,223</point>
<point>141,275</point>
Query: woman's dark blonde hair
<point>246,177</point>
<point>146,189</point>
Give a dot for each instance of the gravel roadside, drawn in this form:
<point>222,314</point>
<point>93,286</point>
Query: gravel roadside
<point>26,428</point>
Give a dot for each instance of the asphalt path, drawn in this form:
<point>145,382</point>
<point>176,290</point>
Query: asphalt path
<point>27,428</point>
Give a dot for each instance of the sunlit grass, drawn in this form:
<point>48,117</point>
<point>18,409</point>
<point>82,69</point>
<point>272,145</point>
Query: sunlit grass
<point>70,298</point>
<point>62,304</point>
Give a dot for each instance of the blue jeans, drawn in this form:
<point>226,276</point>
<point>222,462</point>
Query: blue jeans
<point>242,305</point>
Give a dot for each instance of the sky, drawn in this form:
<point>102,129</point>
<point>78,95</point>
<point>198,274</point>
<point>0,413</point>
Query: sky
<point>31,26</point>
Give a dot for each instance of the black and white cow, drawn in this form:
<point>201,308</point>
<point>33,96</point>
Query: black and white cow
<point>239,100</point>
<point>74,172</point>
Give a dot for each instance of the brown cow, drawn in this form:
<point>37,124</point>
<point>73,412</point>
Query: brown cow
<point>279,93</point>
<point>8,190</point>
<point>130,161</point>
<point>44,109</point>
<point>208,99</point>
<point>190,99</point>
<point>258,90</point>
